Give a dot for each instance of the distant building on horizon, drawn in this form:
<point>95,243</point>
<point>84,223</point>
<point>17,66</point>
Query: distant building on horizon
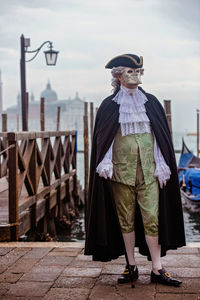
<point>72,111</point>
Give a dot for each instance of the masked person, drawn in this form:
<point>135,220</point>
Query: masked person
<point>134,197</point>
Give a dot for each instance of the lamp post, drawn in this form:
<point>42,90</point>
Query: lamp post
<point>51,58</point>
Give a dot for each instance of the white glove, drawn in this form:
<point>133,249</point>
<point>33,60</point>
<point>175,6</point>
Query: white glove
<point>163,173</point>
<point>105,168</point>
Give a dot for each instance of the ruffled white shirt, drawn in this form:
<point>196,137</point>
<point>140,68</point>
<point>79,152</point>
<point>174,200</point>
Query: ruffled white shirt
<point>133,119</point>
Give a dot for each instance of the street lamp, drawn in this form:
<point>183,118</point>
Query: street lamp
<point>51,58</point>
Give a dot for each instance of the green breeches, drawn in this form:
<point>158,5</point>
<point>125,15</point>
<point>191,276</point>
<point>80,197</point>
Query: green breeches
<point>147,196</point>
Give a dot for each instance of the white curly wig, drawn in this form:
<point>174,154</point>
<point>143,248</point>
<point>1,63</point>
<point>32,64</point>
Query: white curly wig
<point>115,81</point>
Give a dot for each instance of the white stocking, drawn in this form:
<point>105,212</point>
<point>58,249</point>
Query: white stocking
<point>155,250</point>
<point>129,241</point>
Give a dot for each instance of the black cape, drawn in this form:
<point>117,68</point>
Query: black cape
<point>104,240</point>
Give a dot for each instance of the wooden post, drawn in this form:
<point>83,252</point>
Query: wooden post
<point>197,132</point>
<point>167,107</point>
<point>42,115</point>
<point>13,187</point>
<point>4,122</point>
<point>58,119</point>
<point>86,150</point>
<point>17,120</point>
<point>33,177</point>
<point>4,128</point>
<point>59,200</point>
<point>91,120</point>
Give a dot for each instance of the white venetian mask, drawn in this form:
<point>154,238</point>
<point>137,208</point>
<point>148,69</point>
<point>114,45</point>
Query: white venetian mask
<point>132,76</point>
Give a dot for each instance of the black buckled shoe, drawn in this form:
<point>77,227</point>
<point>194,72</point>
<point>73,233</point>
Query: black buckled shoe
<point>164,278</point>
<point>125,277</point>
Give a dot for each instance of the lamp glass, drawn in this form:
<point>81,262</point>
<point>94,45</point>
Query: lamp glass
<point>51,57</point>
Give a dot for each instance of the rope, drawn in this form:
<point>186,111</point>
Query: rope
<point>5,150</point>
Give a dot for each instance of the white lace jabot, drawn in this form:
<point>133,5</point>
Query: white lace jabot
<point>132,112</point>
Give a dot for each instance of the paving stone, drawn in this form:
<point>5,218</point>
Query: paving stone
<point>29,289</point>
<point>143,290</point>
<point>86,264</point>
<point>10,277</point>
<point>105,293</point>
<point>4,287</point>
<point>37,252</point>
<point>107,280</point>
<point>112,269</point>
<point>83,257</point>
<point>42,273</point>
<point>23,265</point>
<point>177,297</point>
<point>112,280</point>
<point>66,249</point>
<point>54,260</point>
<point>43,244</point>
<point>64,253</point>
<point>183,250</point>
<point>82,272</point>
<point>74,282</point>
<point>118,269</point>
<point>3,268</point>
<point>184,272</point>
<point>122,261</point>
<point>6,297</point>
<point>181,260</point>
<point>188,286</point>
<point>13,256</point>
<point>5,250</point>
<point>67,294</point>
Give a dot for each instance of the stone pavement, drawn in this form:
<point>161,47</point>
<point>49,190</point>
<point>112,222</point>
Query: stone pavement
<point>57,271</point>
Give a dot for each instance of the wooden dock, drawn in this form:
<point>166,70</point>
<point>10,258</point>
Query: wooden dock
<point>38,181</point>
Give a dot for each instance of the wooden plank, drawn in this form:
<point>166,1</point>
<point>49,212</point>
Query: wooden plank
<point>3,184</point>
<point>24,222</point>
<point>41,209</point>
<point>26,202</point>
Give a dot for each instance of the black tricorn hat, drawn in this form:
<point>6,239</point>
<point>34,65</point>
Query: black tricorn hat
<point>125,60</point>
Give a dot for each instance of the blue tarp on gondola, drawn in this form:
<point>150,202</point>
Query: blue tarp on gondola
<point>192,180</point>
<point>185,159</point>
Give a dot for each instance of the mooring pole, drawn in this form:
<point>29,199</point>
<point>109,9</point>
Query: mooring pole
<point>91,120</point>
<point>58,119</point>
<point>197,132</point>
<point>86,149</point>
<point>4,128</point>
<point>42,116</point>
<point>167,107</point>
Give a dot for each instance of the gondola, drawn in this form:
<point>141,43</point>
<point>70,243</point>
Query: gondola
<point>189,175</point>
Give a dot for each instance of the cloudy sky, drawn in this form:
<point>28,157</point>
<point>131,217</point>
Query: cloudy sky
<point>89,33</point>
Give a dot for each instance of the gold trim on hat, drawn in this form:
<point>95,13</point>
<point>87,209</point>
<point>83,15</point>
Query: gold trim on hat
<point>130,57</point>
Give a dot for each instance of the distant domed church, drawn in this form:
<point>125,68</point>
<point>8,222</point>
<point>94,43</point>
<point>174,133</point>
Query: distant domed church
<point>72,110</point>
<point>49,94</point>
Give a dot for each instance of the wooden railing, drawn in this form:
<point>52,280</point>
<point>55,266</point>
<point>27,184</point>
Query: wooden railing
<point>41,175</point>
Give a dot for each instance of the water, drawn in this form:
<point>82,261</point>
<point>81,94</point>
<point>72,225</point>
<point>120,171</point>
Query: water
<point>191,214</point>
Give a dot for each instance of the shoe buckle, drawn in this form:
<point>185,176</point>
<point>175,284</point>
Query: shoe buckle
<point>167,274</point>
